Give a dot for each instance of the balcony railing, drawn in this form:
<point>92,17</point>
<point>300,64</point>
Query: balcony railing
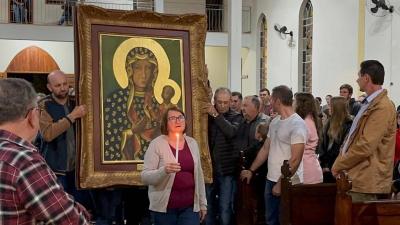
<point>59,12</point>
<point>217,18</point>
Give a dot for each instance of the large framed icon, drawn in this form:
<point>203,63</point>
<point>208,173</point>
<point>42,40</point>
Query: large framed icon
<point>132,66</point>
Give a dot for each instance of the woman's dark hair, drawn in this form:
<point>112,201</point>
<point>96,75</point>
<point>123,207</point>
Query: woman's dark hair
<point>164,119</point>
<point>339,116</point>
<point>306,105</point>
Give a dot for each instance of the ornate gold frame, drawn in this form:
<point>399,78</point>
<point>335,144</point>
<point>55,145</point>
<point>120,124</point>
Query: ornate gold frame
<point>87,85</point>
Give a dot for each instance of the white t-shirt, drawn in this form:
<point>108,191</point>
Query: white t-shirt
<point>283,134</point>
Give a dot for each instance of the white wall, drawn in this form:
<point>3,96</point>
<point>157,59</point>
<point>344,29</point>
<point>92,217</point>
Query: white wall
<point>249,80</point>
<point>62,52</point>
<point>184,6</point>
<point>216,59</point>
<point>334,44</point>
<point>281,60</point>
<point>117,4</point>
<point>4,11</point>
<point>46,13</point>
<point>382,42</point>
<point>36,32</point>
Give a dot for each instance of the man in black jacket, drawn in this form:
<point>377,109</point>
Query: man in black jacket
<point>246,141</point>
<point>252,117</point>
<point>222,127</point>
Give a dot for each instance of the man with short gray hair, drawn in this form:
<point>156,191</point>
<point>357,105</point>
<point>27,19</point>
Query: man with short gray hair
<point>222,125</point>
<point>247,141</point>
<point>29,192</point>
<point>252,115</point>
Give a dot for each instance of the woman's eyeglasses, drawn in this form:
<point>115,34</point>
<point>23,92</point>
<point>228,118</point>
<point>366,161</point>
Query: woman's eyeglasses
<point>176,118</point>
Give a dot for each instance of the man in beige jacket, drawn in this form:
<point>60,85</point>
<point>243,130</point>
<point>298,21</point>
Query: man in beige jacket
<point>368,150</point>
<point>57,120</point>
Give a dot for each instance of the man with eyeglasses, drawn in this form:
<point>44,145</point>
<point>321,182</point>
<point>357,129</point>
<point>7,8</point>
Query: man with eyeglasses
<point>222,126</point>
<point>57,128</point>
<point>29,192</point>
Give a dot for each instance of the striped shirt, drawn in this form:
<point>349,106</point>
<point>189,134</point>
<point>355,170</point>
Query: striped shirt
<point>29,192</point>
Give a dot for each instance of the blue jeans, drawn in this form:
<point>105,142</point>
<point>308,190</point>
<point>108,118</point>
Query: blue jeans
<point>184,216</point>
<point>272,204</point>
<point>220,200</point>
<point>19,13</point>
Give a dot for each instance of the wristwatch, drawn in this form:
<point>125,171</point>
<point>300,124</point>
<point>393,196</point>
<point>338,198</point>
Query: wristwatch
<point>215,115</point>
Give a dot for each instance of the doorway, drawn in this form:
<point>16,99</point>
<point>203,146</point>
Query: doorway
<point>38,80</point>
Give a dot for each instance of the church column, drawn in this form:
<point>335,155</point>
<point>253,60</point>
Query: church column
<point>159,6</point>
<point>234,44</point>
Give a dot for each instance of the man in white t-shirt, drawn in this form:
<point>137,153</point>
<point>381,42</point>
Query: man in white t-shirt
<point>286,140</point>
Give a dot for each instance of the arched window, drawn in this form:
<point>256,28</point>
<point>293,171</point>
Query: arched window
<point>305,47</point>
<point>263,52</point>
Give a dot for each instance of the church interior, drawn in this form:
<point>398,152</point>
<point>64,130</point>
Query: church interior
<point>311,46</point>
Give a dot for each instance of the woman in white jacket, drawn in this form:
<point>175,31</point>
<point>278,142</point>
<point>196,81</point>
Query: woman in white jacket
<point>176,183</point>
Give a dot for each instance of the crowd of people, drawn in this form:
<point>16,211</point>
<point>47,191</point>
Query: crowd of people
<point>358,136</point>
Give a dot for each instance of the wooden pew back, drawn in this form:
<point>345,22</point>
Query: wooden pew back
<point>306,204</point>
<point>380,212</point>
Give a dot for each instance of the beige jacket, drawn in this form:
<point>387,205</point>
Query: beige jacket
<point>369,158</point>
<point>160,183</point>
<point>49,128</point>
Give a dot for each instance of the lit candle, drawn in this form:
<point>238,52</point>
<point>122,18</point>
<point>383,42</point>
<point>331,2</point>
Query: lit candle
<point>177,147</point>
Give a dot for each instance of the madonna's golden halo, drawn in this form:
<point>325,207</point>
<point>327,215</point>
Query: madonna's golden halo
<point>162,80</point>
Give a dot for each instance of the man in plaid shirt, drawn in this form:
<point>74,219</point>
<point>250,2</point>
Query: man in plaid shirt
<point>29,192</point>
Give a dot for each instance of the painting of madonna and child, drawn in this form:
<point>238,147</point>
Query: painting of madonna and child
<point>140,78</point>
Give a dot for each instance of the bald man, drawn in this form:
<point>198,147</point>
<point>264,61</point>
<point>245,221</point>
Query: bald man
<point>57,119</point>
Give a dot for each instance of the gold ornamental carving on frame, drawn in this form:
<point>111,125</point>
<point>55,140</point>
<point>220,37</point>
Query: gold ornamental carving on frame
<point>117,21</point>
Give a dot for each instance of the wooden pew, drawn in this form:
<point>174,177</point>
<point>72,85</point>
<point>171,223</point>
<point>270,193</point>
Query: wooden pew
<point>380,212</point>
<point>324,204</point>
<point>250,199</point>
<point>306,204</point>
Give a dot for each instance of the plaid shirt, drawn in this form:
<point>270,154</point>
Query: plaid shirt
<point>29,192</point>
